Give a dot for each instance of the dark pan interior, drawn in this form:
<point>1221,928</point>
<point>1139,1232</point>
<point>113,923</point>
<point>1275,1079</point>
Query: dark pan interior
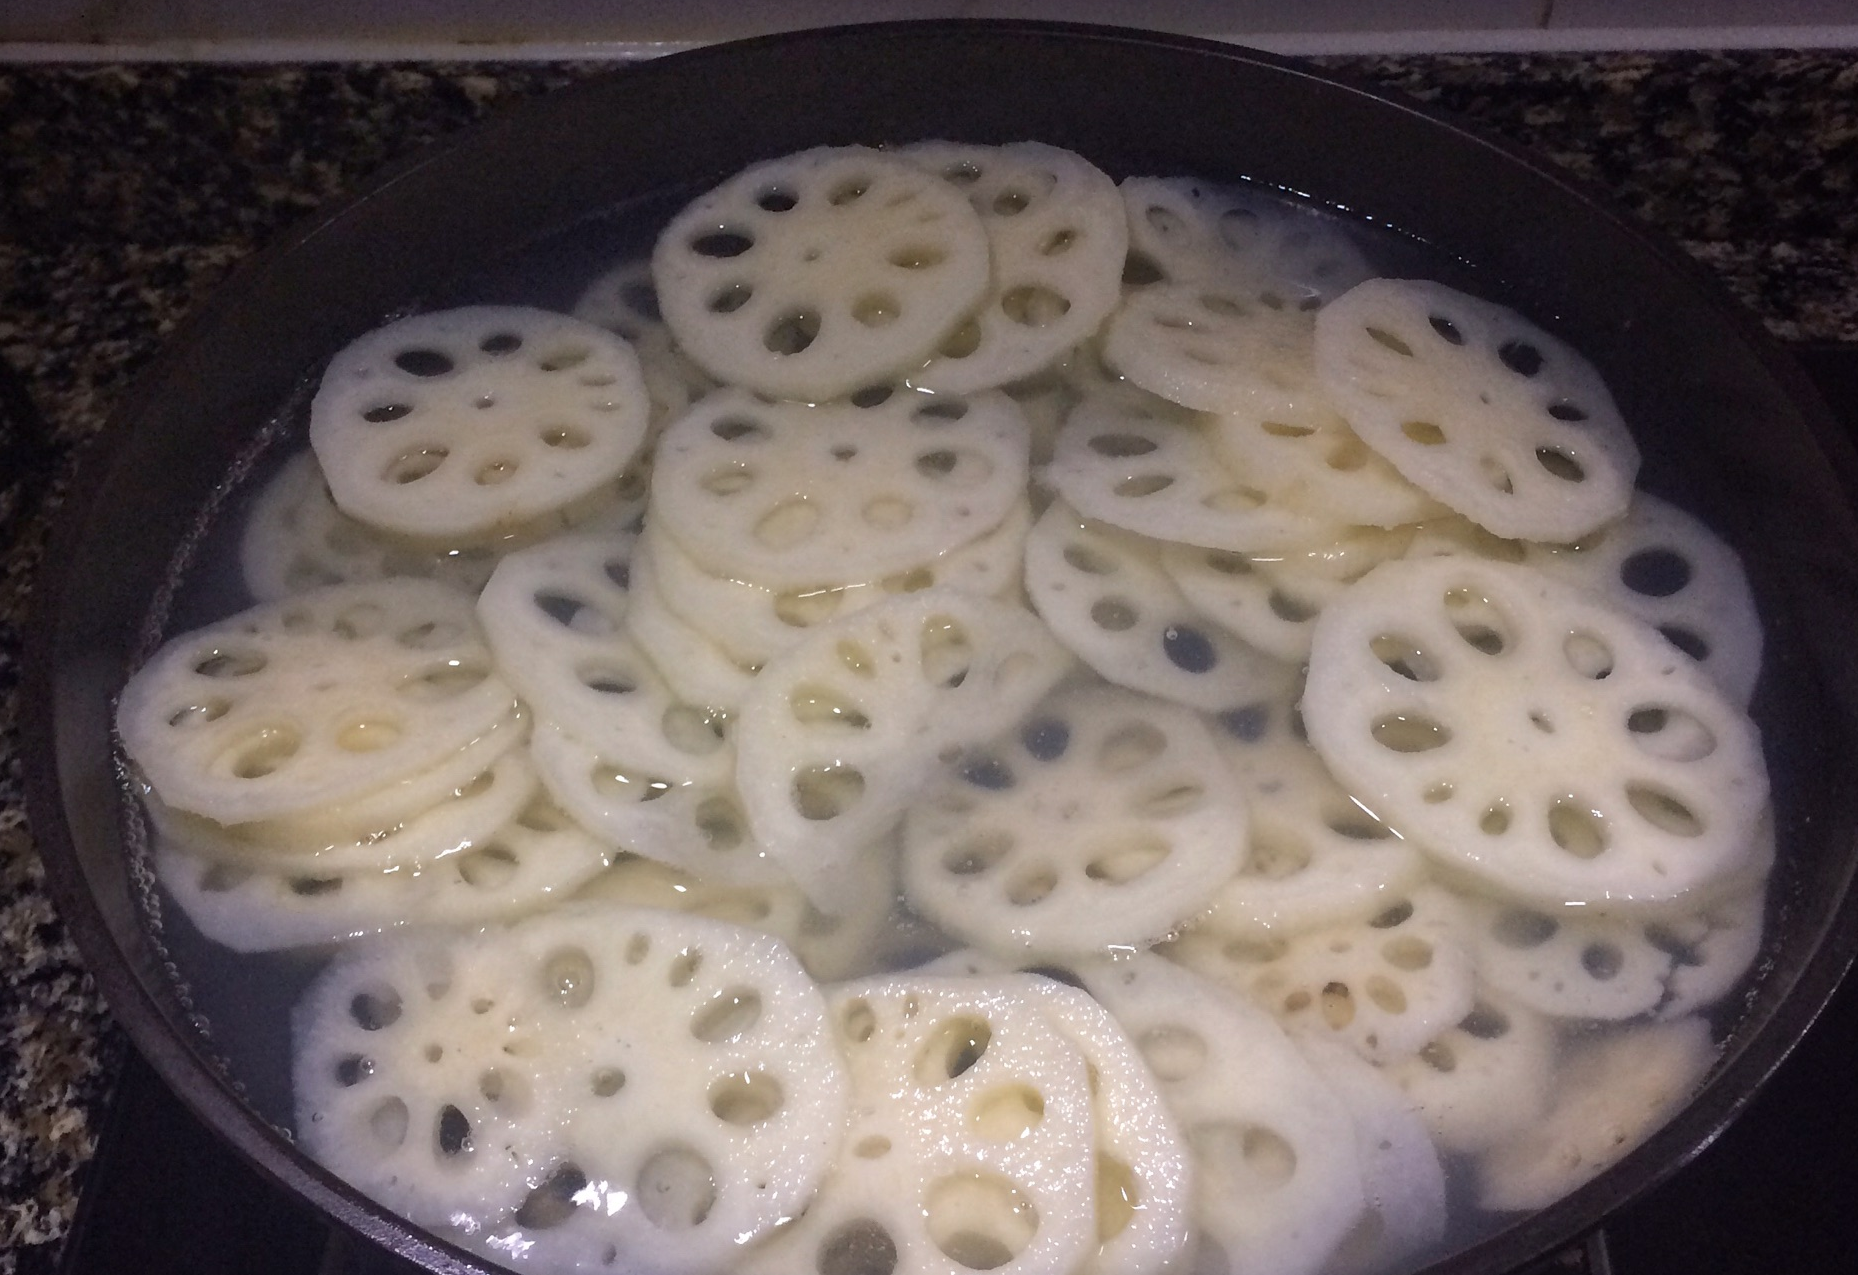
<point>1728,426</point>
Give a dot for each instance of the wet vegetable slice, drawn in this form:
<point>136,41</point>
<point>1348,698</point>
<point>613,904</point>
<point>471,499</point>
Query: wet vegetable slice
<point>1525,732</point>
<point>1477,406</point>
<point>594,1080</point>
<point>817,274</point>
<point>475,421</point>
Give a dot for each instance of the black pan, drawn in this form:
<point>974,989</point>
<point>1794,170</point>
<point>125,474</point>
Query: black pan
<point>1729,428</point>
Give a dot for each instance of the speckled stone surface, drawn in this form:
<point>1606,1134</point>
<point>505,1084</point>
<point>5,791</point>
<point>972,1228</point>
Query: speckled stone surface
<point>128,192</point>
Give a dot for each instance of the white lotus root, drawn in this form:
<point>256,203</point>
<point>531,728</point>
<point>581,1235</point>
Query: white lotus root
<point>474,421</point>
<point>1057,236</point>
<point>1525,732</point>
<point>753,623</point>
<point>1311,461</point>
<point>817,274</point>
<point>311,701</point>
<point>1671,571</point>
<point>1145,472</point>
<point>1315,856</point>
<point>841,733</point>
<point>556,618</point>
<point>525,1077</point>
<point>457,822</point>
<point>1104,594</point>
<point>1218,347</point>
<point>1478,407</point>
<point>1611,1094</point>
<point>1587,965</point>
<point>1271,600</point>
<point>689,821</point>
<point>379,814</point>
<point>539,857</point>
<point>790,495</point>
<point>625,301</point>
<point>1103,821</point>
<point>852,944</point>
<point>1484,1079</point>
<point>1277,1179</point>
<point>1144,1169</point>
<point>696,668</point>
<point>1401,1174</point>
<point>971,1144</point>
<point>296,540</point>
<point>1192,230</point>
<point>1383,986</point>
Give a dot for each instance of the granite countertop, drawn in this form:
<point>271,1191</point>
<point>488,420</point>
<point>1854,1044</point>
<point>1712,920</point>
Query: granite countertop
<point>128,192</point>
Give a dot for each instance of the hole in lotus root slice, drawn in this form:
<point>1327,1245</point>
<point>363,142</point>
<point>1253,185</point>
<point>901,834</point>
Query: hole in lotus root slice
<point>729,1016</point>
<point>1174,1052</point>
<point>746,1098</point>
<point>1248,1159</point>
<point>553,1202</point>
<point>861,1246</point>
<point>1007,1113</point>
<point>676,1189</point>
<point>824,793</point>
<point>979,1220</point>
<point>1405,656</point>
<point>952,1047</point>
<point>1480,622</point>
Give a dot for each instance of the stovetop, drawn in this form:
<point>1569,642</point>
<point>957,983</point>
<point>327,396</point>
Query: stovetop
<point>1777,1192</point>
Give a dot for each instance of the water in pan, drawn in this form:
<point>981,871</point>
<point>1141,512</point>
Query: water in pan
<point>245,1000</point>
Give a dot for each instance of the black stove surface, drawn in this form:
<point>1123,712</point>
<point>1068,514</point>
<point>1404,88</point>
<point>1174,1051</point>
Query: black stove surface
<point>1777,1192</point>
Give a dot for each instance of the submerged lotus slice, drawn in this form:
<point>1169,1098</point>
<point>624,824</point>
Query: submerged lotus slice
<point>790,495</point>
<point>556,617</point>
<point>625,301</point>
<point>753,623</point>
<point>971,1141</point>
<point>1671,571</point>
<point>475,421</point>
<point>1105,595</point>
<point>840,734</point>
<point>1190,230</point>
<point>1057,236</point>
<point>1478,407</point>
<point>537,858</point>
<point>814,275</point>
<point>315,846</point>
<point>1308,459</point>
<point>1383,985</point>
<point>1277,1178</point>
<point>694,822</point>
<point>1315,855</point>
<point>1402,1176</point>
<point>593,1080</point>
<point>312,701</point>
<point>1525,732</point>
<point>1271,599</point>
<point>1146,472</point>
<point>296,540</point>
<point>1485,1079</point>
<point>1613,1091</point>
<point>1103,821</point>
